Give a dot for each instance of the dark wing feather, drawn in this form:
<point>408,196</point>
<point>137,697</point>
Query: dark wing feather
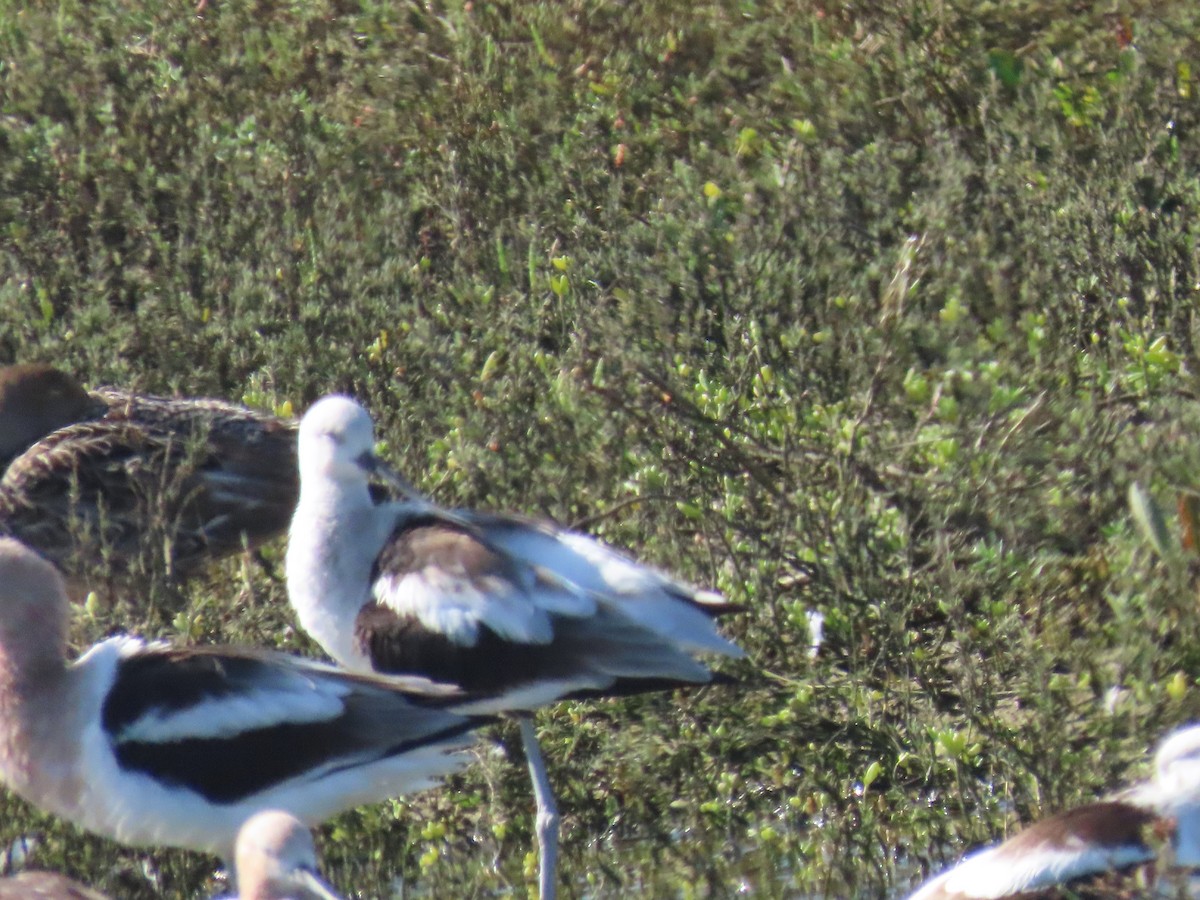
<point>605,654</point>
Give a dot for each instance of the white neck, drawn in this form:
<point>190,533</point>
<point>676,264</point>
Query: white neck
<point>334,538</point>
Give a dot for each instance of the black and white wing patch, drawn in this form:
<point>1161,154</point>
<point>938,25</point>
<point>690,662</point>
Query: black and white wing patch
<point>450,606</point>
<point>230,724</point>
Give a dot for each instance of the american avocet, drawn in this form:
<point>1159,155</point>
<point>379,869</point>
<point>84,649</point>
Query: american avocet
<point>276,860</point>
<point>516,613</point>
<point>45,886</point>
<point>1129,829</point>
<point>153,744</point>
<point>89,474</point>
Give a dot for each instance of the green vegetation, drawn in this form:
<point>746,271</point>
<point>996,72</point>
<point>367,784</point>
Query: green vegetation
<point>874,313</point>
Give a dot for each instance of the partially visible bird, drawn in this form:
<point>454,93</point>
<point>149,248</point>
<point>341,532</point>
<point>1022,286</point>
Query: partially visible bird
<point>37,885</point>
<point>276,860</point>
<point>517,614</point>
<point>109,479</point>
<point>1094,848</point>
<point>157,745</point>
<point>36,399</point>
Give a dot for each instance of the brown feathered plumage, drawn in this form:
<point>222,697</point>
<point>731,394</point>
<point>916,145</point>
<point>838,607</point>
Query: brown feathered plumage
<point>128,481</point>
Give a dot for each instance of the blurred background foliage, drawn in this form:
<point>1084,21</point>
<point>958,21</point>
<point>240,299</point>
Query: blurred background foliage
<point>873,313</point>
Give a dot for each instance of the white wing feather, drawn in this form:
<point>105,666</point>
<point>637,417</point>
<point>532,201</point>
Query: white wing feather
<point>644,594</point>
<point>229,716</point>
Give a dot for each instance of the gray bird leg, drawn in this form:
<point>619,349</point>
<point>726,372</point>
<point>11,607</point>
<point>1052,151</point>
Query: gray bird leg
<point>547,810</point>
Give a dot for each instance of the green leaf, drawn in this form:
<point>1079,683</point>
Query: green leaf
<point>1006,66</point>
<point>1148,517</point>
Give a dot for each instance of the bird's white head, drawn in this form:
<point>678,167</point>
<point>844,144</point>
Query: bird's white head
<point>337,447</point>
<point>337,442</point>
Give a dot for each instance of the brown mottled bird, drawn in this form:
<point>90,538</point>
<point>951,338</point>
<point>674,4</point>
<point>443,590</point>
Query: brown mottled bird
<point>117,479</point>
